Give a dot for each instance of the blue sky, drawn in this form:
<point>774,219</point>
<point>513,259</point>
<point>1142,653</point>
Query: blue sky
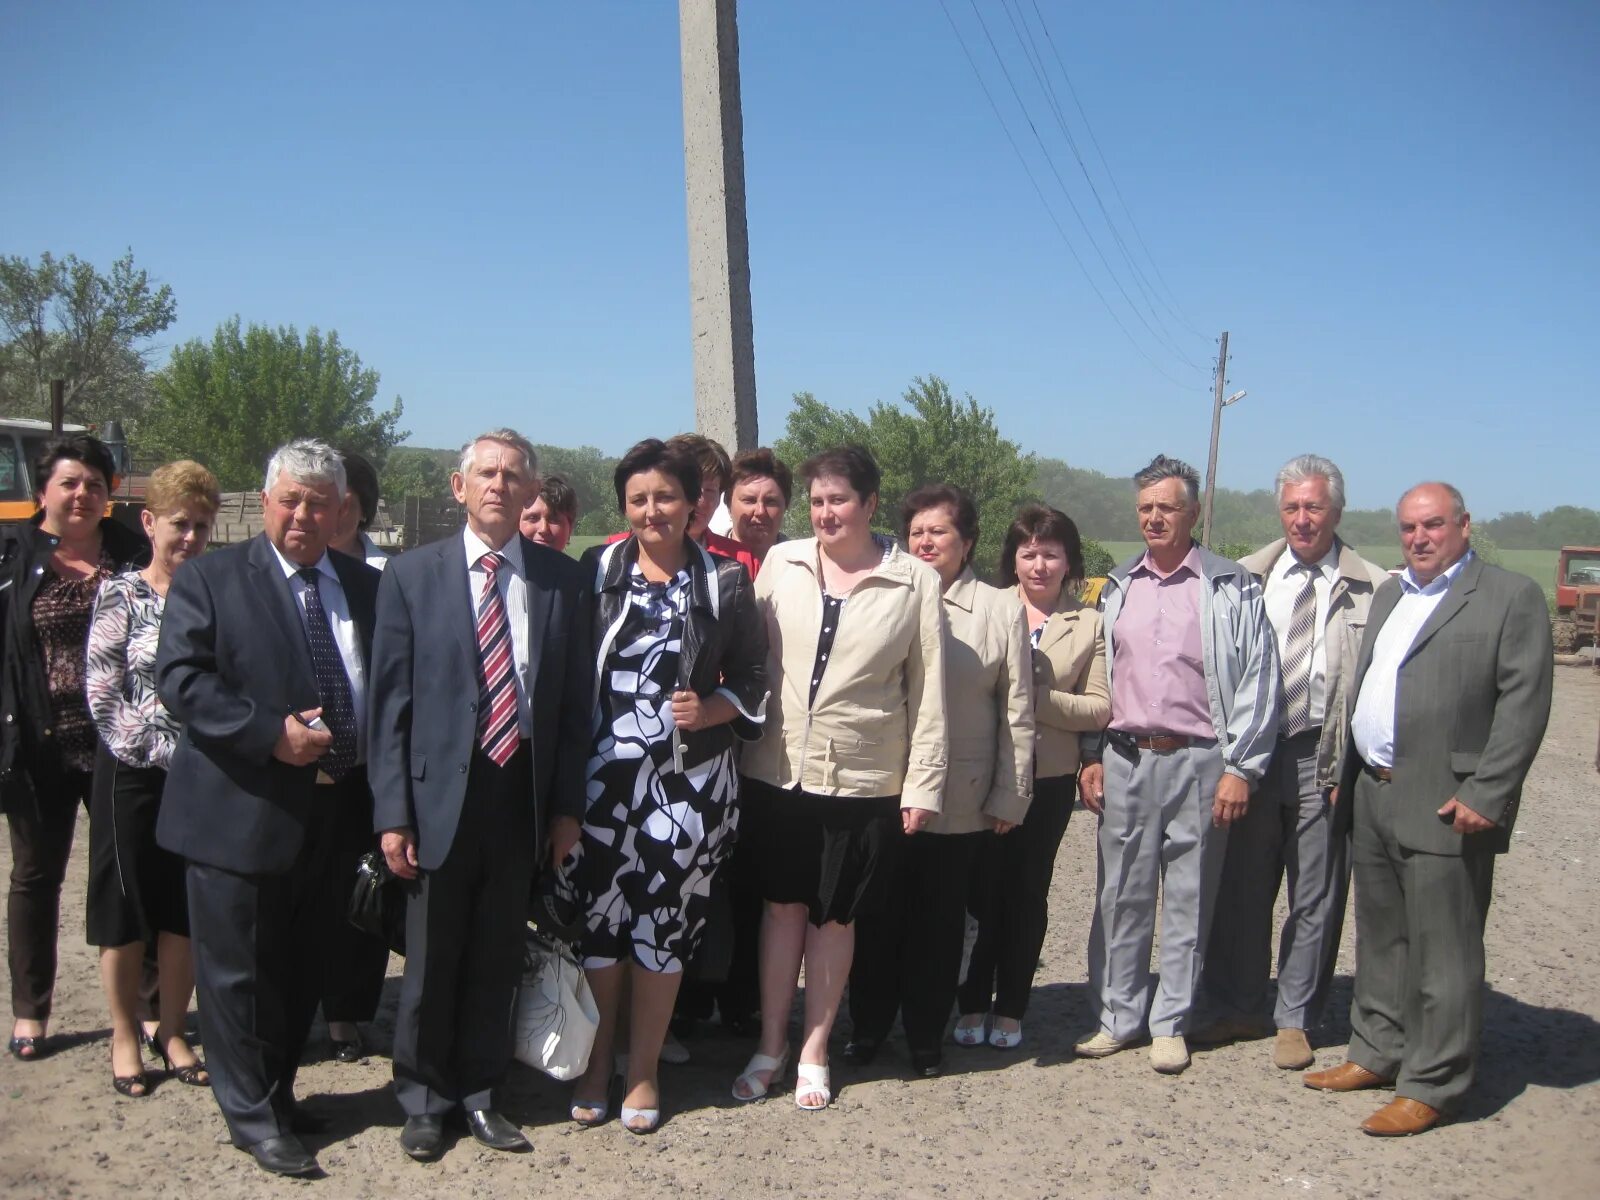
<point>1391,208</point>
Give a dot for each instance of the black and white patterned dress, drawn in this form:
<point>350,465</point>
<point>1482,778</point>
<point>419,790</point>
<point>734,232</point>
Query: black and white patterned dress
<point>653,834</point>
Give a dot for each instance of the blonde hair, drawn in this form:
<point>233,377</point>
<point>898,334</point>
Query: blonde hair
<point>181,484</point>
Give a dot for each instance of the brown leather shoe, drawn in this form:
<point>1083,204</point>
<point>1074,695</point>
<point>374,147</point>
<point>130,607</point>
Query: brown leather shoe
<point>1346,1077</point>
<point>1291,1050</point>
<point>1401,1117</point>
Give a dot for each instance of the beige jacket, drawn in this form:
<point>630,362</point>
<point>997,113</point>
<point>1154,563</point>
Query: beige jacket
<point>988,708</point>
<point>1347,623</point>
<point>1070,692</point>
<point>878,726</point>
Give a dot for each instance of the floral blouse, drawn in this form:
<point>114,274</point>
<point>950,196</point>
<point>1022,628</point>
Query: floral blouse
<point>120,680</point>
<point>60,613</point>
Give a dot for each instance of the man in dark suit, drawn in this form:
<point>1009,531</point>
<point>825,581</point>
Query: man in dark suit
<point>1452,693</point>
<point>264,658</point>
<point>480,726</point>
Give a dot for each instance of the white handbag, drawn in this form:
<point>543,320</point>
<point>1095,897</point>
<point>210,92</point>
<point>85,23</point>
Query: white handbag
<point>556,1015</point>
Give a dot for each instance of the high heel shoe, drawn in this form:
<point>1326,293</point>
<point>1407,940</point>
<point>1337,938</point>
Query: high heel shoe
<point>641,1120</point>
<point>190,1075</point>
<point>124,1085</point>
<point>1005,1039</point>
<point>970,1035</point>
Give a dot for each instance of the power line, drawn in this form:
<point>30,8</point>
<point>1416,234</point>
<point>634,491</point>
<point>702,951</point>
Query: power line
<point>1049,211</point>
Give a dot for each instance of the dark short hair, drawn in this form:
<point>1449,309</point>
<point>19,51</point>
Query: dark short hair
<point>559,497</point>
<point>83,448</point>
<point>361,478</point>
<point>850,462</point>
<point>761,463</point>
<point>653,454</point>
<point>1040,521</point>
<point>942,495</point>
<point>710,455</point>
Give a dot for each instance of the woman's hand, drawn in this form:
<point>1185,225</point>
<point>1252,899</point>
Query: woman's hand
<point>999,826</point>
<point>692,713</point>
<point>914,820</point>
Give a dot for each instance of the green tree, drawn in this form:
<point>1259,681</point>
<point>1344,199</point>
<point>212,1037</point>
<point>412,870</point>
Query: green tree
<point>230,402</point>
<point>416,471</point>
<point>62,319</point>
<point>589,471</point>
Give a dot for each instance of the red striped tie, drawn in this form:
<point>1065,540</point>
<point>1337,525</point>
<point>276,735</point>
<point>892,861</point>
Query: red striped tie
<point>497,691</point>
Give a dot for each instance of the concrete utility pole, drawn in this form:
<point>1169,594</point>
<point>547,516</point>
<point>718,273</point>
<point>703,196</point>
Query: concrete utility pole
<point>719,241</point>
<point>1216,433</point>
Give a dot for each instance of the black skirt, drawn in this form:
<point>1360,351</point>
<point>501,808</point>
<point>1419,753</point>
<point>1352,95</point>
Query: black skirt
<point>136,889</point>
<point>834,854</point>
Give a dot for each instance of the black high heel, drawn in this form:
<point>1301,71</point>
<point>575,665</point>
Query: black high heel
<point>26,1049</point>
<point>190,1074</point>
<point>124,1084</point>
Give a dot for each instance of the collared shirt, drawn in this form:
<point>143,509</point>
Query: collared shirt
<point>337,607</point>
<point>1159,685</point>
<point>1373,722</point>
<point>372,554</point>
<point>1283,586</point>
<point>513,585</point>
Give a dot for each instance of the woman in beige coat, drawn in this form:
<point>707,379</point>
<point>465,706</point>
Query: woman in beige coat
<point>851,758</point>
<point>1043,559</point>
<point>908,954</point>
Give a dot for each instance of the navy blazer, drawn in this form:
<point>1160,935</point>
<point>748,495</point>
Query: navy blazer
<point>233,661</point>
<point>423,715</point>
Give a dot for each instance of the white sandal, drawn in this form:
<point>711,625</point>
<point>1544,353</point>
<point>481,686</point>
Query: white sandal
<point>811,1079</point>
<point>755,1089</point>
<point>970,1035</point>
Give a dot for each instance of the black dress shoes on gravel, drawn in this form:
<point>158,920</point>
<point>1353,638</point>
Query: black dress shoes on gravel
<point>284,1156</point>
<point>494,1131</point>
<point>423,1137</point>
<point>926,1065</point>
<point>860,1051</point>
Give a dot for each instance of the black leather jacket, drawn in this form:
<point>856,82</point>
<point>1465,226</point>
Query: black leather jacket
<point>24,693</point>
<point>724,646</point>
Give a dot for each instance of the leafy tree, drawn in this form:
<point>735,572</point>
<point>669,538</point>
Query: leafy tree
<point>929,437</point>
<point>589,471</point>
<point>63,319</point>
<point>416,471</point>
<point>230,402</point>
<point>1097,560</point>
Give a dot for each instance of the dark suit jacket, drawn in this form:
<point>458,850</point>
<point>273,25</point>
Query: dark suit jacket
<point>233,662</point>
<point>423,717</point>
<point>1471,708</point>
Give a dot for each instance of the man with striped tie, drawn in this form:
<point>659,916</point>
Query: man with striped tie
<point>479,729</point>
<point>1318,591</point>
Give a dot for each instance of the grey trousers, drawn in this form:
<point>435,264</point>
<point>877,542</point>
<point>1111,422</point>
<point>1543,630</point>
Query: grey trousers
<point>1287,831</point>
<point>1418,1004</point>
<point>1156,837</point>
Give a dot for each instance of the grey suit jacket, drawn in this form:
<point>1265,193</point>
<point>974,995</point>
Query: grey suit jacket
<point>1471,707</point>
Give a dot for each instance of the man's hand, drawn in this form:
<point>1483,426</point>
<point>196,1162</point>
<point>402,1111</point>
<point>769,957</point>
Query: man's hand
<point>1092,787</point>
<point>399,848</point>
<point>1333,797</point>
<point>564,835</point>
<point>1233,799</point>
<point>1462,819</point>
<point>914,820</point>
<point>298,744</point>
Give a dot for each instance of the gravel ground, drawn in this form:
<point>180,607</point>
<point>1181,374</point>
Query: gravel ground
<point>1032,1122</point>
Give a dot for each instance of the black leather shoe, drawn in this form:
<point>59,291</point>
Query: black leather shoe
<point>423,1137</point>
<point>494,1131</point>
<point>350,1052</point>
<point>925,1065</point>
<point>303,1120</point>
<point>284,1156</point>
<point>860,1051</point>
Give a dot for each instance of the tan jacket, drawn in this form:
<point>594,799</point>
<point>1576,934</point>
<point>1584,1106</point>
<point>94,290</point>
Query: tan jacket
<point>988,708</point>
<point>878,726</point>
<point>1347,622</point>
<point>1070,692</point>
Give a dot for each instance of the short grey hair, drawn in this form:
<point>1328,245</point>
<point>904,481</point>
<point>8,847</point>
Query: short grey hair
<point>308,460</point>
<point>506,437</point>
<point>1161,467</point>
<point>1458,504</point>
<point>1313,466</point>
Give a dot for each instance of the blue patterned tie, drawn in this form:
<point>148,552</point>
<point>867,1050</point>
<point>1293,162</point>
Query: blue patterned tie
<point>333,686</point>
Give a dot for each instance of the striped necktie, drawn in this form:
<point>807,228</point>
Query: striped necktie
<point>497,690</point>
<point>1297,658</point>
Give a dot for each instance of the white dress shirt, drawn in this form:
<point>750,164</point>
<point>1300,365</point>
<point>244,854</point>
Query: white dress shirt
<point>513,585</point>
<point>372,554</point>
<point>1284,584</point>
<point>344,633</point>
<point>1372,724</point>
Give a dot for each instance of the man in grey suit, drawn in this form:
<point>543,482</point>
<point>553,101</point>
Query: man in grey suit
<point>1318,592</point>
<point>1452,694</point>
<point>481,688</point>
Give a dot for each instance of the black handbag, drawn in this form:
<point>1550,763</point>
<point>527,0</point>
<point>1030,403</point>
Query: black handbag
<point>378,902</point>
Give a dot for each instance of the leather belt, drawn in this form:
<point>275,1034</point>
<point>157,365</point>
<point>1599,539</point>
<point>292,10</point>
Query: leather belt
<point>1381,774</point>
<point>1155,741</point>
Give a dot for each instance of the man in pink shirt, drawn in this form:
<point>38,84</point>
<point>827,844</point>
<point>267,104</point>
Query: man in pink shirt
<point>1193,669</point>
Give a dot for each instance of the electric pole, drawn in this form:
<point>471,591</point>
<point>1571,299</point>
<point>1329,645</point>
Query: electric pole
<point>1216,433</point>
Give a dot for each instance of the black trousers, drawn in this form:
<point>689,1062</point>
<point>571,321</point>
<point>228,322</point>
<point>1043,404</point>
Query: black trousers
<point>908,953</point>
<point>356,962</point>
<point>466,930</point>
<point>738,995</point>
<point>258,958</point>
<point>1011,901</point>
<point>41,815</point>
